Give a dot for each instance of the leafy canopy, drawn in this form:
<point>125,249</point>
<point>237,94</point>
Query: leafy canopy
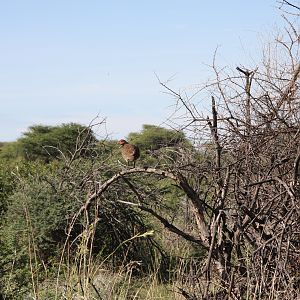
<point>43,142</point>
<point>153,137</point>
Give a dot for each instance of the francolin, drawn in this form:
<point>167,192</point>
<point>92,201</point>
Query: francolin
<point>129,152</point>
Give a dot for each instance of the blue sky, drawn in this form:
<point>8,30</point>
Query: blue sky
<point>69,61</point>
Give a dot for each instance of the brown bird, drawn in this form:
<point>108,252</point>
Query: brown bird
<point>129,152</point>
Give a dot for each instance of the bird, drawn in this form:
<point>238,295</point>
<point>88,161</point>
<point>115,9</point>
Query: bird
<point>129,152</point>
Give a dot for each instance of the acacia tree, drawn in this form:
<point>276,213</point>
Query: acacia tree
<point>45,143</point>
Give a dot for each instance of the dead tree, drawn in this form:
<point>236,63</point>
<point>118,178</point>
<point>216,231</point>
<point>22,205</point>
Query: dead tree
<point>241,178</point>
<point>253,140</point>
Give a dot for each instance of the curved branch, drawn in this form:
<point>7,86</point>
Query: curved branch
<point>180,180</point>
<point>119,175</point>
<point>172,227</point>
<point>162,220</point>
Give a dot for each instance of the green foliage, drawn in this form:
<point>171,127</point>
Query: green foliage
<point>48,142</point>
<point>42,142</point>
<point>154,137</point>
<point>11,151</point>
<point>7,184</point>
<point>107,149</point>
<point>38,200</point>
<point>34,228</point>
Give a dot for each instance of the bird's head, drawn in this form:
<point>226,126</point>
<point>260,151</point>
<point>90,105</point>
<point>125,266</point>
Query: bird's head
<point>122,142</point>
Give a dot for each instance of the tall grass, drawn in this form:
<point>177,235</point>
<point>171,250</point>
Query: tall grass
<point>82,275</point>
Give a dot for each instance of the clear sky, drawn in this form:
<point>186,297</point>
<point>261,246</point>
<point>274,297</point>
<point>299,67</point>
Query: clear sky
<point>69,61</point>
